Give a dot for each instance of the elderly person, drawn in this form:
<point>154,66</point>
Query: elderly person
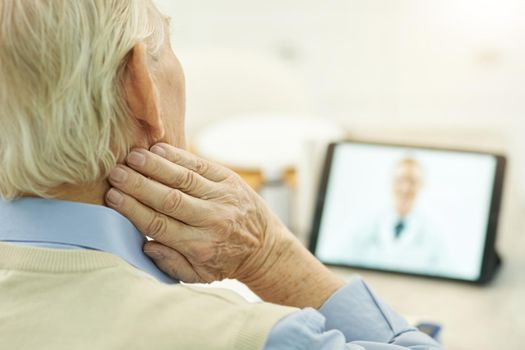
<point>81,84</point>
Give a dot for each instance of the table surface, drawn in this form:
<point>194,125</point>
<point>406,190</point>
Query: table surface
<point>472,317</point>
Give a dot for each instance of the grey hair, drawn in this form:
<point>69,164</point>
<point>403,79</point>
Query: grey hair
<point>63,112</point>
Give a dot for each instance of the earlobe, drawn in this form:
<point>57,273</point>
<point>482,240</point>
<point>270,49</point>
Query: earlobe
<point>142,94</point>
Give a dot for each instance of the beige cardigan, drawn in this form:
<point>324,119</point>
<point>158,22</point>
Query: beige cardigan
<point>83,299</point>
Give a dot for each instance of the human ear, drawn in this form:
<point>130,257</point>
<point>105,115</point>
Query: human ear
<point>142,94</point>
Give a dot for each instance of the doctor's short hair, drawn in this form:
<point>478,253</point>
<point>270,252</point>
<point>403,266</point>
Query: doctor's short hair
<point>63,113</point>
<point>409,160</point>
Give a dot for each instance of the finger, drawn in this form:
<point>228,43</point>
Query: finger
<point>172,262</point>
<point>149,222</point>
<point>206,168</point>
<point>170,174</point>
<point>162,198</point>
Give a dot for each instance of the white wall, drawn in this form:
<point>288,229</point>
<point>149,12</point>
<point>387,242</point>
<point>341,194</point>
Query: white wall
<point>438,70</point>
<point>450,62</point>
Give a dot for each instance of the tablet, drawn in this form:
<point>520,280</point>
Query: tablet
<point>406,209</point>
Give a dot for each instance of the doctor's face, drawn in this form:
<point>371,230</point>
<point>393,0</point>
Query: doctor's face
<point>406,184</point>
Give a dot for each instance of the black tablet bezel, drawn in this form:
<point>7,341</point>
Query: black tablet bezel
<point>489,254</point>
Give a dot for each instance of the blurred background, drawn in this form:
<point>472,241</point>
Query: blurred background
<point>269,83</point>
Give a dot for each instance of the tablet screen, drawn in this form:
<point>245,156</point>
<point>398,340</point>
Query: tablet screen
<point>407,210</point>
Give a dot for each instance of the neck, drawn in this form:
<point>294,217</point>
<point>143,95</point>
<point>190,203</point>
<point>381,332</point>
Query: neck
<point>403,210</point>
<point>92,193</point>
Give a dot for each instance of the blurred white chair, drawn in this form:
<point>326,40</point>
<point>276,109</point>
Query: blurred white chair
<point>223,82</point>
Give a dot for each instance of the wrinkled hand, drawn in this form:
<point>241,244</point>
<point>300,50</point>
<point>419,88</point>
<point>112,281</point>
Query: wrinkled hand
<point>206,223</point>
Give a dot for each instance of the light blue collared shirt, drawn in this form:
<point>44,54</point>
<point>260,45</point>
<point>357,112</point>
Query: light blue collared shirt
<point>352,318</point>
<point>71,225</point>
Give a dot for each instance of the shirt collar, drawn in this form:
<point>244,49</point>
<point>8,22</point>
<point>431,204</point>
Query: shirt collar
<point>37,220</point>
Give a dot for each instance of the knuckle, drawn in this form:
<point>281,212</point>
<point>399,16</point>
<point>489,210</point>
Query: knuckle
<point>232,200</point>
<point>233,179</point>
<point>200,166</point>
<point>174,155</point>
<point>234,176</point>
<point>172,202</point>
<point>189,181</point>
<point>225,226</point>
<point>158,226</point>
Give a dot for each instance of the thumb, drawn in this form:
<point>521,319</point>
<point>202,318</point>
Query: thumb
<point>171,262</point>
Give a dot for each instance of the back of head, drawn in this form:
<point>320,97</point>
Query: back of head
<point>63,112</point>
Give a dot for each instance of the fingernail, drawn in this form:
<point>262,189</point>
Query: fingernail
<point>114,197</point>
<point>158,151</point>
<point>154,254</point>
<point>118,175</point>
<point>136,158</point>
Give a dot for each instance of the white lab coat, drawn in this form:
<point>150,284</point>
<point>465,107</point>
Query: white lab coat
<point>418,248</point>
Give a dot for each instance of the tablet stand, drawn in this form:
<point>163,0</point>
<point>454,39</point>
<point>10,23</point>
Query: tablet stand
<point>493,267</point>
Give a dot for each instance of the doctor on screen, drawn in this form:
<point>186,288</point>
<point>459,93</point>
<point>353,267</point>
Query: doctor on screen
<point>402,236</point>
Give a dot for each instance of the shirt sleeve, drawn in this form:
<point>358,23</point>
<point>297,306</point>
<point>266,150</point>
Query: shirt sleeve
<point>352,318</point>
